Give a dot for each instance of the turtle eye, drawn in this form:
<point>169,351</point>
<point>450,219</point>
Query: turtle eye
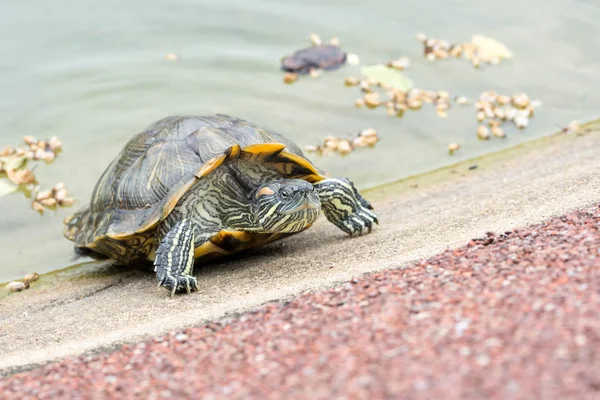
<point>284,194</point>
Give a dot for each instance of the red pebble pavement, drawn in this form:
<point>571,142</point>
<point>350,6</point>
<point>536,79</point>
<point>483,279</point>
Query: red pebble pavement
<point>508,316</point>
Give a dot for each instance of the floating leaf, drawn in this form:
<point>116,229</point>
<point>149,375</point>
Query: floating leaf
<point>389,76</point>
<point>7,188</point>
<point>488,48</point>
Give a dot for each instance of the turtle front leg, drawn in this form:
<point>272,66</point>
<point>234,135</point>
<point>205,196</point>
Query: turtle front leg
<point>345,207</point>
<point>175,259</point>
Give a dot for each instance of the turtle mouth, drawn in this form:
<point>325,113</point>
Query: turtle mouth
<point>307,204</point>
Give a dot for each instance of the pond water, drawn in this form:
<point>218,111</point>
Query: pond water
<point>94,73</point>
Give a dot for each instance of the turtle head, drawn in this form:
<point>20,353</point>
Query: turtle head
<point>287,205</point>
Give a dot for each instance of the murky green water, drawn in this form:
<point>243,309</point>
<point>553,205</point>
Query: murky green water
<point>93,73</point>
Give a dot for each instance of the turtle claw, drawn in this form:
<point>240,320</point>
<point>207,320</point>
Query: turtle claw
<point>183,283</point>
<point>359,223</point>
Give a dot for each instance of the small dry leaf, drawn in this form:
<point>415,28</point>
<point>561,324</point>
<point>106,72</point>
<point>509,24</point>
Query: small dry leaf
<point>54,144</point>
<point>453,148</point>
<point>483,132</point>
<point>372,100</point>
<point>462,100</point>
<point>358,103</point>
<point>49,203</point>
<point>351,81</point>
<point>442,113</point>
<point>400,64</point>
<point>368,132</point>
<point>521,121</point>
<point>290,78</point>
<point>498,132</point>
<point>21,176</point>
<point>37,207</point>
<point>34,276</point>
<point>67,202</point>
<point>414,104</point>
<point>315,39</point>
<point>45,194</point>
<point>344,147</point>
<point>7,151</point>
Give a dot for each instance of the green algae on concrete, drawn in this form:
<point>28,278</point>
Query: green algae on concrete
<point>81,272</point>
<point>477,164</point>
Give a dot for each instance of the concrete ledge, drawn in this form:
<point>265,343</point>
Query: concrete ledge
<point>95,307</point>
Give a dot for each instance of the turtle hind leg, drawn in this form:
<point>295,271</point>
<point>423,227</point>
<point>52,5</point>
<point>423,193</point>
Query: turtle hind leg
<point>175,259</point>
<point>345,207</point>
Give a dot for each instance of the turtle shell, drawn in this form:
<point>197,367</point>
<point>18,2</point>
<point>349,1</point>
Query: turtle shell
<point>325,57</point>
<point>156,167</point>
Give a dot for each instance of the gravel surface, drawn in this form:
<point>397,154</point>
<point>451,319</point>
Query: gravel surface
<point>511,315</point>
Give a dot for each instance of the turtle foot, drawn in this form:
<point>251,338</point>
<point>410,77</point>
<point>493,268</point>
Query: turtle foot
<point>175,259</point>
<point>359,223</point>
<point>345,207</point>
<point>183,283</point>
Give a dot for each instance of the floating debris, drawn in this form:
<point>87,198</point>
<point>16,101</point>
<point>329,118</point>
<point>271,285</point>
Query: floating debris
<point>481,49</point>
<point>21,176</point>
<point>351,81</point>
<point>398,101</point>
<point>45,150</point>
<point>483,132</point>
<point>462,100</point>
<point>400,64</point>
<point>497,131</point>
<point>453,148</point>
<point>333,144</point>
<point>55,197</point>
<point>14,166</point>
<point>316,58</point>
<point>372,100</point>
<point>315,39</point>
<point>499,109</point>
<point>290,78</point>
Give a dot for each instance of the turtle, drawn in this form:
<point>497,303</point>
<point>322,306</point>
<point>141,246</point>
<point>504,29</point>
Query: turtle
<point>325,57</point>
<point>190,189</point>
